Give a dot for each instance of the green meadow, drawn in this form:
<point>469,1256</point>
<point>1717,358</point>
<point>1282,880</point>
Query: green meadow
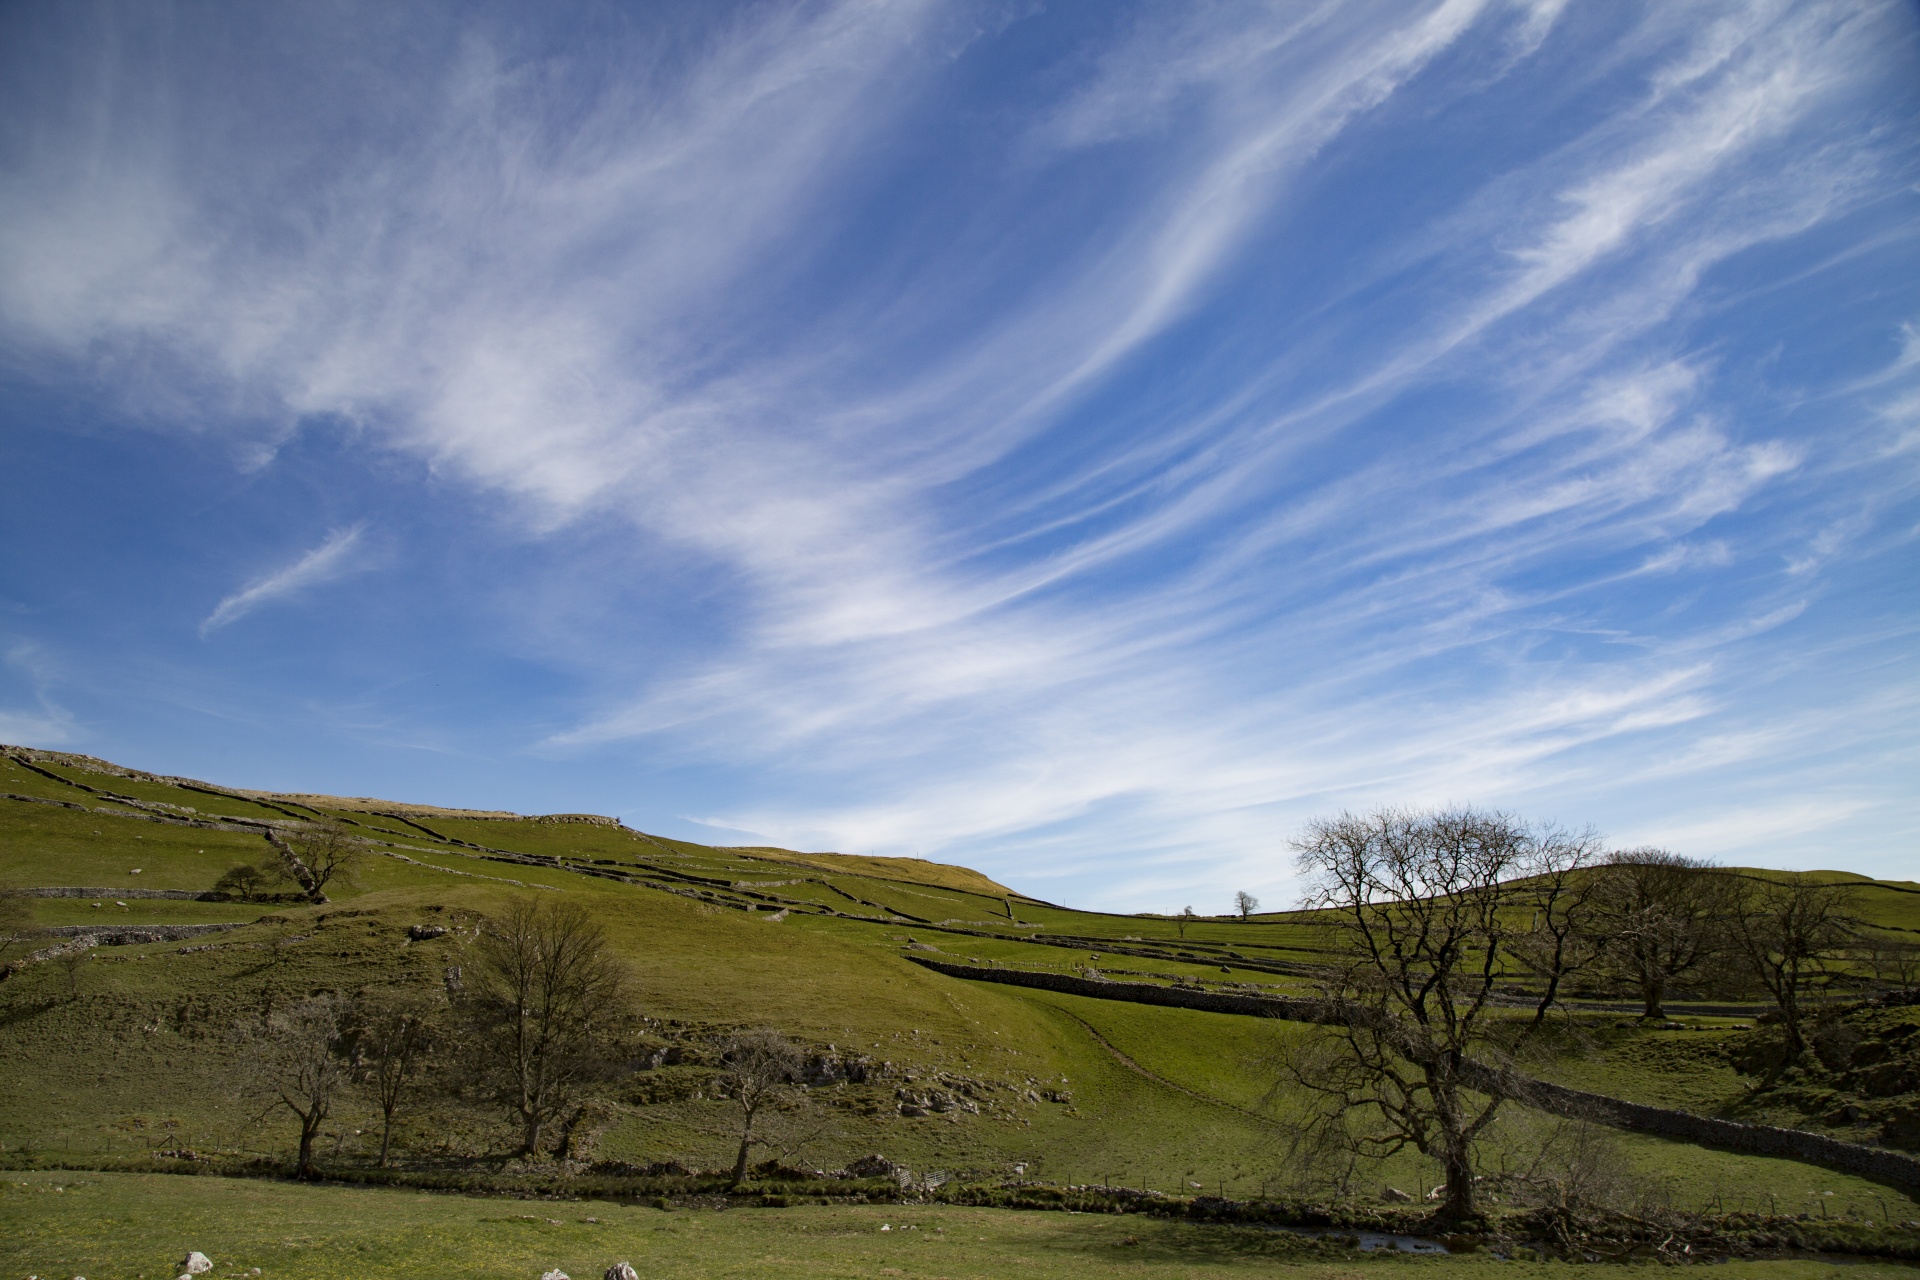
<point>132,1052</point>
<point>136,1227</point>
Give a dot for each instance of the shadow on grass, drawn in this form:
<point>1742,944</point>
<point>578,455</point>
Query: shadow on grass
<point>25,1010</point>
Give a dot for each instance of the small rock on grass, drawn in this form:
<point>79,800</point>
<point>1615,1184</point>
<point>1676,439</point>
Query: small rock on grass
<point>195,1263</point>
<point>556,1274</point>
<point>622,1271</point>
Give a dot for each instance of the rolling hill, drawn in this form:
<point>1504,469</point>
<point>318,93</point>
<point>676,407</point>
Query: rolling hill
<point>132,1050</point>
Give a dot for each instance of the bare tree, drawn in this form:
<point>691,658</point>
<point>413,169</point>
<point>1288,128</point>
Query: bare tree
<point>760,1070</point>
<point>548,1003</point>
<point>1565,1166</point>
<point>1245,903</point>
<point>1791,931</point>
<point>392,1045</point>
<point>1660,917</point>
<point>1434,911</point>
<point>72,959</point>
<point>1895,961</point>
<point>1182,920</point>
<point>317,852</point>
<point>300,1062</point>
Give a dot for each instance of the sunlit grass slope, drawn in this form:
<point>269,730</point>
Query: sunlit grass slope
<point>141,1055</point>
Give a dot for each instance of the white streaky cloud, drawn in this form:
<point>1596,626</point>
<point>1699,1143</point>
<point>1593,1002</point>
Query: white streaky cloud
<point>1191,239</point>
<point>1586,337</point>
<point>1267,594</point>
<point>1725,836</point>
<point>46,723</point>
<point>37,728</point>
<point>1536,24</point>
<point>330,560</point>
<point>1689,475</point>
<point>1292,755</point>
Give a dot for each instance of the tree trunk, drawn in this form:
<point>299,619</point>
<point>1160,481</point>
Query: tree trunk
<point>309,1127</point>
<point>740,1162</point>
<point>531,1147</point>
<point>1653,992</point>
<point>1790,1023</point>
<point>1458,1205</point>
<point>386,1135</point>
<point>746,1145</point>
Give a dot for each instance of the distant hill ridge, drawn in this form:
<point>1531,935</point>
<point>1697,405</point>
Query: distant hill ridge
<point>925,870</point>
<point>367,804</point>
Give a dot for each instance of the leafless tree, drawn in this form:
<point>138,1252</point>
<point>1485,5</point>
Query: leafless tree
<point>392,1044</point>
<point>1659,917</point>
<point>1245,903</point>
<point>1565,1166</point>
<point>760,1070</point>
<point>1791,932</point>
<point>72,960</point>
<point>300,1061</point>
<point>316,853</point>
<point>546,1007</point>
<point>1895,961</point>
<point>1182,920</point>
<point>1434,912</point>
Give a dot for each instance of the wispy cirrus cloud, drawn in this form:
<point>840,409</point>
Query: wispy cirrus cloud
<point>1184,451</point>
<point>332,559</point>
<point>46,721</point>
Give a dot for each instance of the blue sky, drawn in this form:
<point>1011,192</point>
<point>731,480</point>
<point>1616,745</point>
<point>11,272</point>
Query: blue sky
<point>1080,440</point>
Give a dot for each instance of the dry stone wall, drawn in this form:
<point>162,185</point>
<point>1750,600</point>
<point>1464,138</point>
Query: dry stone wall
<point>1295,1010</point>
<point>178,895</point>
<point>126,935</point>
<point>1876,1163</point>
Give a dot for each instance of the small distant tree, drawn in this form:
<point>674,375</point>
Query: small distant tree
<point>547,1006</point>
<point>392,1046</point>
<point>18,932</point>
<point>245,881</point>
<point>300,1061</point>
<point>1182,920</point>
<point>1433,913</point>
<point>1895,961</point>
<point>1245,903</point>
<point>1658,917</point>
<point>1791,932</point>
<point>760,1073</point>
<point>318,852</point>
<point>72,961</point>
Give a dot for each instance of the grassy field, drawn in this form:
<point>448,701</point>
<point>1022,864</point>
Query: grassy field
<point>134,1227</point>
<point>133,1051</point>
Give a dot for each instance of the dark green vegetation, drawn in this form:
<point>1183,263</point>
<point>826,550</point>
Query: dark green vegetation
<point>138,1056</point>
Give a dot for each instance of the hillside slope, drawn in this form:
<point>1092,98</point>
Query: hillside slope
<point>134,1049</point>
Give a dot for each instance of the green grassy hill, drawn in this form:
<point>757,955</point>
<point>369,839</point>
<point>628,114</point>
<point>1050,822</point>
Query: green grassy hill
<point>133,1051</point>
